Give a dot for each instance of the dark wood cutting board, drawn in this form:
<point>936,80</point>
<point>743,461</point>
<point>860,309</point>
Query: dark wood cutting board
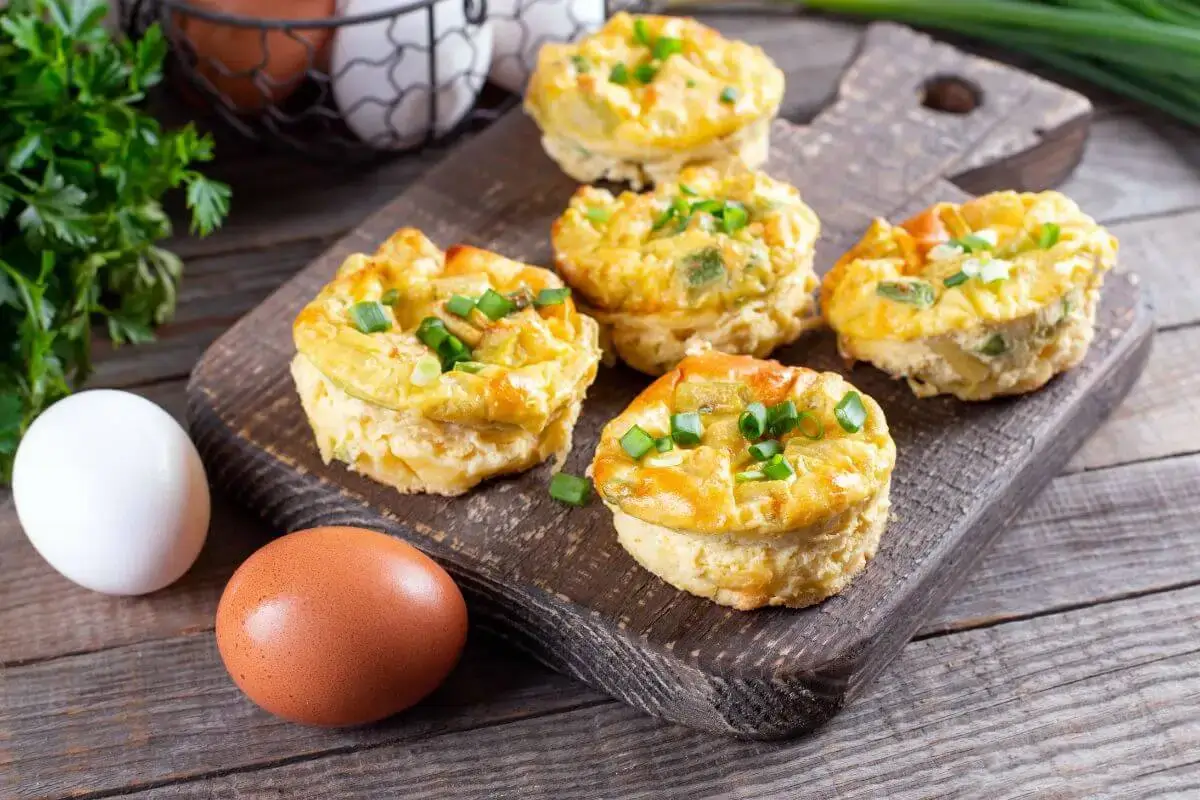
<point>552,579</point>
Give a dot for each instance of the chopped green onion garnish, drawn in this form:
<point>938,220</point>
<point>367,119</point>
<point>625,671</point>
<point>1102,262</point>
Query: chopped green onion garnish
<point>667,46</point>
<point>850,412</point>
<point>764,450</point>
<point>972,243</point>
<point>664,218</point>
<point>551,297</point>
<point>452,350</point>
<point>753,421</point>
<point>917,293</point>
<point>957,279</point>
<point>390,297</point>
<point>641,34</point>
<point>685,189</point>
<point>619,74</point>
<point>995,271</point>
<point>810,426</point>
<point>473,367</point>
<point>994,346</point>
<point>686,428</point>
<point>704,267</point>
<point>691,84</point>
<point>749,475</point>
<point>495,305</point>
<point>729,95</point>
<point>1048,236</point>
<point>782,417</point>
<point>460,305</point>
<point>636,442</point>
<point>369,317</point>
<point>425,371</point>
<point>598,215</point>
<point>777,469</point>
<point>664,444</point>
<point>645,73</point>
<point>432,332</point>
<point>581,63</point>
<point>570,489</point>
<point>733,216</point>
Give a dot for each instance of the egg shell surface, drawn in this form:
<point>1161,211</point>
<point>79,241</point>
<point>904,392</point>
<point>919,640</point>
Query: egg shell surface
<point>339,626</point>
<point>523,26</point>
<point>111,492</point>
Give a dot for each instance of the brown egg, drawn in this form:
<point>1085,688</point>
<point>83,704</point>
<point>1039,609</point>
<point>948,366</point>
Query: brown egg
<point>339,626</point>
<point>226,54</point>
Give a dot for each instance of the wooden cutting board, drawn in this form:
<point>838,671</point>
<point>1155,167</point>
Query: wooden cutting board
<point>552,579</point>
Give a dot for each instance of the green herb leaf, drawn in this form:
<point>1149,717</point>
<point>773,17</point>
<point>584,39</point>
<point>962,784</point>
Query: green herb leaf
<point>1048,235</point>
<point>916,293</point>
<point>667,46</point>
<point>619,74</point>
<point>850,412</point>
<point>208,201</point>
<point>641,32</point>
<point>645,73</point>
<point>704,267</point>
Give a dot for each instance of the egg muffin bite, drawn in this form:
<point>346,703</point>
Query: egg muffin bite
<point>646,96</point>
<point>719,258</point>
<point>431,372</point>
<point>993,297</point>
<point>748,482</point>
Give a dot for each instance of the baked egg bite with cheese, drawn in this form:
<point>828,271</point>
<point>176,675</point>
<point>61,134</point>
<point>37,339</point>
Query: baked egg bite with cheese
<point>431,371</point>
<point>993,297</point>
<point>645,96</point>
<point>723,258</point>
<point>747,482</point>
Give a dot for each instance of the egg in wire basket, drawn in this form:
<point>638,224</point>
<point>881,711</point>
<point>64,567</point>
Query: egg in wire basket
<point>723,258</point>
<point>647,95</point>
<point>431,372</point>
<point>993,297</point>
<point>748,482</point>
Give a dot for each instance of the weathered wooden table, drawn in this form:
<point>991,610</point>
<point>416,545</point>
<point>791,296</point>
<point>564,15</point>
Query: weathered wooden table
<point>1068,667</point>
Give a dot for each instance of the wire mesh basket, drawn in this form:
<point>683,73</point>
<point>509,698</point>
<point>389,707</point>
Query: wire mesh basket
<point>358,79</point>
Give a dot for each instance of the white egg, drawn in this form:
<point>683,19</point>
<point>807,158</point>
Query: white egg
<point>381,70</point>
<point>111,492</point>
<point>523,26</point>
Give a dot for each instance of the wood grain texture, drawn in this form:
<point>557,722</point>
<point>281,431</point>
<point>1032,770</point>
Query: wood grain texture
<point>1097,703</point>
<point>554,581</point>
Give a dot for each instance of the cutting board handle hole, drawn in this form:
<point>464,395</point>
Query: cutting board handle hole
<point>951,94</point>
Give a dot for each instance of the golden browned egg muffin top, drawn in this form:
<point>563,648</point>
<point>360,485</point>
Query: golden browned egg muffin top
<point>651,82</point>
<point>710,241</point>
<point>822,448</point>
<point>466,337</point>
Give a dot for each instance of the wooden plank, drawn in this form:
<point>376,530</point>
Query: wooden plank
<point>588,609</point>
<point>164,711</point>
<point>1067,706</point>
<point>1164,250</point>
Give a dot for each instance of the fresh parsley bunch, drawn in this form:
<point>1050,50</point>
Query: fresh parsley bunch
<point>82,174</point>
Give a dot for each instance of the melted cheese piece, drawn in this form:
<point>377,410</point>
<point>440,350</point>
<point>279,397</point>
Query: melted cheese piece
<point>1030,277</point>
<point>536,360</point>
<point>693,489</point>
<point>572,95</point>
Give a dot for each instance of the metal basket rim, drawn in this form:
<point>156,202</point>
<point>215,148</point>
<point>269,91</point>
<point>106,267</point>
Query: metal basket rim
<point>242,21</point>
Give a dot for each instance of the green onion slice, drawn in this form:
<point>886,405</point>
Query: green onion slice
<point>777,469</point>
<point>666,216</point>
<point>667,46</point>
<point>994,346</point>
<point>570,489</point>
<point>1048,235</point>
<point>782,417</point>
<point>686,428</point>
<point>495,305</point>
<point>432,332</point>
<point>473,367</point>
<point>749,475</point>
<point>551,297</point>
<point>369,317</point>
<point>390,297</point>
<point>810,426</point>
<point>598,215</point>
<point>664,444</point>
<point>636,442</point>
<point>685,189</point>
<point>460,305</point>
<point>972,243</point>
<point>733,216</point>
<point>641,33</point>
<point>729,95</point>
<point>581,63</point>
<point>704,267</point>
<point>765,450</point>
<point>916,293</point>
<point>619,74</point>
<point>850,412</point>
<point>753,421</point>
<point>645,73</point>
<point>957,279</point>
<point>425,371</point>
